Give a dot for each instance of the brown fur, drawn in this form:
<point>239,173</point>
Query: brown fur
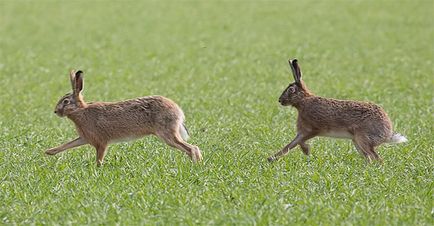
<point>101,123</point>
<point>365,123</point>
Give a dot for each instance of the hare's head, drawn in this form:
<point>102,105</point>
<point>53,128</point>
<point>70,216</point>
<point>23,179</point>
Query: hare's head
<point>297,90</point>
<point>72,101</point>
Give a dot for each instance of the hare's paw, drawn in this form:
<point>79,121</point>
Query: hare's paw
<point>271,159</point>
<point>51,151</point>
<point>99,163</point>
<point>196,155</point>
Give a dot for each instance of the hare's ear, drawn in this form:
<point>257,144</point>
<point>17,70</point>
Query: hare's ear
<point>72,79</point>
<point>78,82</point>
<point>296,71</point>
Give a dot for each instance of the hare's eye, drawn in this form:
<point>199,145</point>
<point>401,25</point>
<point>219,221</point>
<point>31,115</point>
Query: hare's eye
<point>65,101</point>
<point>291,89</point>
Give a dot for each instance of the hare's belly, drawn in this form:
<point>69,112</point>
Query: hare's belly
<point>128,135</point>
<point>125,139</point>
<point>337,134</point>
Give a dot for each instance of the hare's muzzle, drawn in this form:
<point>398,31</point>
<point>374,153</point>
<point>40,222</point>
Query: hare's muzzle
<point>283,102</point>
<point>58,112</point>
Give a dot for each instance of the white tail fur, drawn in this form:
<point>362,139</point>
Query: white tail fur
<point>397,138</point>
<point>184,132</point>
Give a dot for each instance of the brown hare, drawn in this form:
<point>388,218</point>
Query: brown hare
<point>365,123</point>
<point>102,123</point>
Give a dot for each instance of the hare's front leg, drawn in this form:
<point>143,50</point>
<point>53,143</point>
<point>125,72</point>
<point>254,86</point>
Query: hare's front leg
<point>300,139</point>
<point>72,144</point>
<point>288,147</point>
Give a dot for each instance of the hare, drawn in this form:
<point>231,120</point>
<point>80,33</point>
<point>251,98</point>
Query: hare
<point>365,123</point>
<point>102,123</point>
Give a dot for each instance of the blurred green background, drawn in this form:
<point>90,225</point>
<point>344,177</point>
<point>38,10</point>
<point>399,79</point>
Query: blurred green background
<point>225,64</point>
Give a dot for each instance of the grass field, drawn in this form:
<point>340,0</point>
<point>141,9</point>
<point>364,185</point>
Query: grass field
<point>225,64</point>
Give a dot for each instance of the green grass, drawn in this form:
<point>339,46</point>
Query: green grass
<point>225,64</point>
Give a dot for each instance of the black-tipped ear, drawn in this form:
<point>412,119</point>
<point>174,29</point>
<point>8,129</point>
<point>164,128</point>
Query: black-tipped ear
<point>72,79</point>
<point>296,70</point>
<point>79,84</point>
<point>292,69</point>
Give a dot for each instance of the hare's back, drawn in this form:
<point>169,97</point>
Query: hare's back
<point>344,112</point>
<point>153,109</point>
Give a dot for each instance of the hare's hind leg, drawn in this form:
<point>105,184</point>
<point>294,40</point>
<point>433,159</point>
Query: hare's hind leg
<point>100,153</point>
<point>72,144</point>
<point>305,148</point>
<point>365,148</point>
<point>174,139</point>
<point>375,154</point>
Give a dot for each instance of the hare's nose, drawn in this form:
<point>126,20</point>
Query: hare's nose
<point>55,112</point>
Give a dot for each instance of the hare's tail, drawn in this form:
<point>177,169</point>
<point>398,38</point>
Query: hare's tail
<point>397,138</point>
<point>184,132</point>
